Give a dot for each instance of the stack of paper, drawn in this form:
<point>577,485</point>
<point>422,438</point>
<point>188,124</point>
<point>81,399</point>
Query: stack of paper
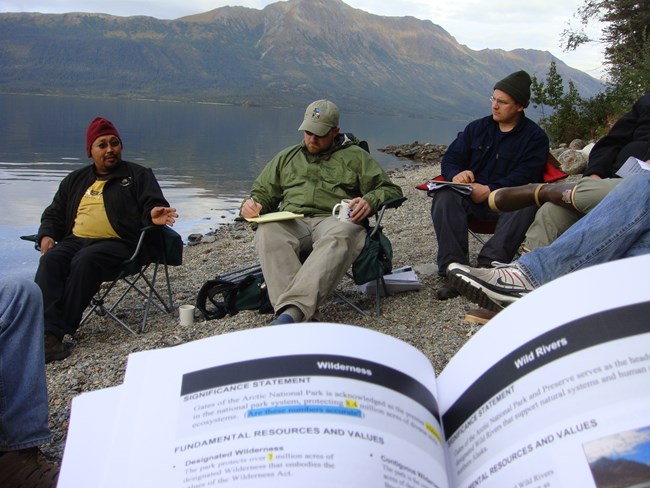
<point>401,279</point>
<point>275,217</point>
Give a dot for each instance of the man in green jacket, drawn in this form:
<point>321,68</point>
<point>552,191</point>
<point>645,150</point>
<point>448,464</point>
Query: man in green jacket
<point>310,179</point>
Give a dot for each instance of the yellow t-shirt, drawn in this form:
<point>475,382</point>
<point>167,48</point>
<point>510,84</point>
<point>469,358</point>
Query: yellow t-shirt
<point>91,221</point>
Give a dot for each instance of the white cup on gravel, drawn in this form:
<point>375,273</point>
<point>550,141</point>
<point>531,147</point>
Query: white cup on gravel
<point>186,314</point>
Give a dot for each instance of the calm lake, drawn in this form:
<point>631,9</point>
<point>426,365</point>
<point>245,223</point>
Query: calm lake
<point>205,156</point>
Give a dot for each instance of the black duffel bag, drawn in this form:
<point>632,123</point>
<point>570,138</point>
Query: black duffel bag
<point>228,294</point>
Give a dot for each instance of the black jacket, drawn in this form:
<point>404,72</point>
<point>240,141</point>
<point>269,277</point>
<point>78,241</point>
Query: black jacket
<point>517,159</point>
<point>129,195</point>
<point>629,136</point>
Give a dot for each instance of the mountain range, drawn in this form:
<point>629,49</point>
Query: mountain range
<point>287,54</point>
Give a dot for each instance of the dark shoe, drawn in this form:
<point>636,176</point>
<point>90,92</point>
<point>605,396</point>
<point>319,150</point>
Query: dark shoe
<point>490,288</point>
<point>446,291</point>
<point>515,197</point>
<point>27,468</point>
<point>283,318</point>
<point>479,316</point>
<point>55,350</point>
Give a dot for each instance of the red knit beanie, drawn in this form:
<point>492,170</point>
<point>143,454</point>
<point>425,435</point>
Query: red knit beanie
<point>100,127</point>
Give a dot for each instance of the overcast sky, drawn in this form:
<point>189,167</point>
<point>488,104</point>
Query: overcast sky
<point>499,24</point>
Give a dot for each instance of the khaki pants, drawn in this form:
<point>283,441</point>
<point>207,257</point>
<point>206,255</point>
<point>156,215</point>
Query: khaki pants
<point>552,220</point>
<point>330,247</point>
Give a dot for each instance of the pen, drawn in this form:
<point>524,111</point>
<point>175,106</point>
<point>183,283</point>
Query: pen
<point>254,203</point>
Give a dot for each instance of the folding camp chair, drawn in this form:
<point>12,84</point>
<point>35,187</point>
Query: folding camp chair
<point>158,247</point>
<point>216,298</point>
<point>375,254</point>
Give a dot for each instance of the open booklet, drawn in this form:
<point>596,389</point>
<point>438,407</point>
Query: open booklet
<point>547,394</point>
<point>436,184</point>
<point>631,166</point>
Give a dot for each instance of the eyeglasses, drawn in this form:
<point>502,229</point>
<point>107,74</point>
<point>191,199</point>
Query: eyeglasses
<point>500,103</point>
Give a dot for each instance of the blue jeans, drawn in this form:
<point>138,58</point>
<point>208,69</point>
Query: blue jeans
<point>618,227</point>
<point>23,389</point>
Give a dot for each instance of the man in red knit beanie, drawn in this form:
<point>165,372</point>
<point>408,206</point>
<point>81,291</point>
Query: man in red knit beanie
<point>100,127</point>
<point>90,228</point>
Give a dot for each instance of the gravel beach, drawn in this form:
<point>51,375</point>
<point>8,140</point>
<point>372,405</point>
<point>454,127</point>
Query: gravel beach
<point>437,328</point>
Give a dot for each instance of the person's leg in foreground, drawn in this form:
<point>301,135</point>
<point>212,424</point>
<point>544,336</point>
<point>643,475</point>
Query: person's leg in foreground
<point>618,227</point>
<point>23,388</point>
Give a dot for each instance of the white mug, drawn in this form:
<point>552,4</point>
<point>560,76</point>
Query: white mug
<point>344,211</point>
<point>186,314</point>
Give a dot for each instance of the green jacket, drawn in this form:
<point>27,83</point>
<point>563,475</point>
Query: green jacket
<point>299,182</point>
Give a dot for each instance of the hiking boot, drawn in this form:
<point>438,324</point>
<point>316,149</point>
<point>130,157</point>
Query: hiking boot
<point>479,316</point>
<point>446,291</point>
<point>490,288</point>
<point>518,197</point>
<point>55,350</point>
<point>515,197</point>
<point>27,468</point>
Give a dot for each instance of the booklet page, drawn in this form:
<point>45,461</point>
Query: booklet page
<point>560,398</point>
<point>92,422</point>
<point>631,166</point>
<point>321,404</point>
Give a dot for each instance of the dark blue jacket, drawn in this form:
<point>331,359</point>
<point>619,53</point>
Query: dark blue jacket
<point>629,136</point>
<point>129,195</point>
<point>517,159</point>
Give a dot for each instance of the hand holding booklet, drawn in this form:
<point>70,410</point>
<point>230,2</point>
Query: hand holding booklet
<point>538,397</point>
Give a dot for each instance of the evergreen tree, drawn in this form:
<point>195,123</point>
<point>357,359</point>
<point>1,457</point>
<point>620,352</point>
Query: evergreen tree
<point>626,37</point>
<point>567,120</point>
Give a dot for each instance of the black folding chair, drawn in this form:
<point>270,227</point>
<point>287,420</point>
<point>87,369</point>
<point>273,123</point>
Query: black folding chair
<point>158,247</point>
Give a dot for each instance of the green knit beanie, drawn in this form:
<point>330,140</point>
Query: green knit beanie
<point>517,85</point>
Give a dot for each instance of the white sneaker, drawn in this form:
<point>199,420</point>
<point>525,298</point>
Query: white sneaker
<point>491,288</point>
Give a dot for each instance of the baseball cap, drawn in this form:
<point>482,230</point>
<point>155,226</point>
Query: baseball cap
<point>321,116</point>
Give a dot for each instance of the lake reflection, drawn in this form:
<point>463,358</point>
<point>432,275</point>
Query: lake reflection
<point>205,156</point>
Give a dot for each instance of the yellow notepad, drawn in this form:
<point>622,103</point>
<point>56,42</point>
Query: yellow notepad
<point>275,217</point>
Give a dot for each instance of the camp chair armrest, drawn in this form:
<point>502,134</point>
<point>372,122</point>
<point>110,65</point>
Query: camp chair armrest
<point>32,238</point>
<point>142,240</point>
<point>393,203</point>
<point>138,247</point>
